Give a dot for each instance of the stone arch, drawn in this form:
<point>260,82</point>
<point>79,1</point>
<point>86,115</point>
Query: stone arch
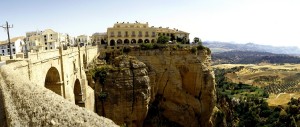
<point>146,41</point>
<point>126,41</point>
<point>119,41</point>
<point>112,42</point>
<point>153,41</point>
<point>78,93</point>
<point>140,41</point>
<point>52,81</point>
<point>133,41</point>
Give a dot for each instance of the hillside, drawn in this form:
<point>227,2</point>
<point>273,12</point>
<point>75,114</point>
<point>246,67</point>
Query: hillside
<point>280,81</point>
<point>252,57</point>
<point>244,100</point>
<point>225,46</point>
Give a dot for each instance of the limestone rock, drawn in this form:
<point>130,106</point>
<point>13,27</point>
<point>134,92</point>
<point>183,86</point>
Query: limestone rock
<point>128,92</point>
<point>185,83</point>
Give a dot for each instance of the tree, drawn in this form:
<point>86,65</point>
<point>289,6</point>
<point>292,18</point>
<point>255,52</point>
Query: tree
<point>163,39</point>
<point>197,40</point>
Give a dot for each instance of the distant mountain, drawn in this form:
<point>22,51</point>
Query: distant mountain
<point>252,57</point>
<point>226,46</point>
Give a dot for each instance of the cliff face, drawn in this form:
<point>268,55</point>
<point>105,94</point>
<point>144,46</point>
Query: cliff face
<point>159,88</point>
<point>126,91</point>
<point>182,87</point>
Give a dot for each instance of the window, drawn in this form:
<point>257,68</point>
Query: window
<point>126,33</point>
<point>50,43</point>
<point>46,48</point>
<point>7,50</point>
<point>140,34</point>
<point>112,34</point>
<point>50,47</point>
<point>146,34</point>
<point>119,34</point>
<point>2,51</point>
<point>153,34</point>
<point>133,34</point>
<point>50,34</point>
<point>45,43</point>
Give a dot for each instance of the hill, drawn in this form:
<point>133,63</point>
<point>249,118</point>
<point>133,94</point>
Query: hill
<point>252,57</point>
<point>225,46</point>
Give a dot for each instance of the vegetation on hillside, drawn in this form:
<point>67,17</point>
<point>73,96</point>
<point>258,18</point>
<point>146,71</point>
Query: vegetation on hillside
<point>244,105</point>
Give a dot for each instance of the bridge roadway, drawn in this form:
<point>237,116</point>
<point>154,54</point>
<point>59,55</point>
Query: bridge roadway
<point>61,71</point>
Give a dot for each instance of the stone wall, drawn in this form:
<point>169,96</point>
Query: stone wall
<point>28,104</point>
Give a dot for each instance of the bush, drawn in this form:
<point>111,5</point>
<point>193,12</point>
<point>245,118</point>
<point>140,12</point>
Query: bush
<point>126,49</point>
<point>193,50</point>
<point>146,46</point>
<point>102,96</point>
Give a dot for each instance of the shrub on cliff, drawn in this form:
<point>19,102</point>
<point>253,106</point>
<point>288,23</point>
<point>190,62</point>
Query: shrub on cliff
<point>100,73</point>
<point>146,46</point>
<point>193,50</point>
<point>163,39</point>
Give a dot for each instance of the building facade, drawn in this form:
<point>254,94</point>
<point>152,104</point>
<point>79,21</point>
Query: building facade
<point>130,33</point>
<point>45,40</point>
<point>16,46</point>
<point>137,33</point>
<point>99,38</point>
<point>83,40</point>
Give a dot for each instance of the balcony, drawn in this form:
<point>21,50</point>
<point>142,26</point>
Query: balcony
<point>112,35</point>
<point>132,35</point>
<point>146,35</point>
<point>119,35</point>
<point>140,35</point>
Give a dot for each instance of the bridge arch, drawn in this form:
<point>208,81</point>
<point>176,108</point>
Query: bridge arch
<point>78,93</point>
<point>52,81</point>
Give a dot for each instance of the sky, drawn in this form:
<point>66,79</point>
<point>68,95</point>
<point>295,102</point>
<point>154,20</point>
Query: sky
<point>267,22</point>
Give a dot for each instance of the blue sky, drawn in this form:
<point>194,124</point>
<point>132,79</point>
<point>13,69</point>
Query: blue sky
<point>271,22</point>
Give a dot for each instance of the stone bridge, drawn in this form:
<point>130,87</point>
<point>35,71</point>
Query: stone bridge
<point>61,71</point>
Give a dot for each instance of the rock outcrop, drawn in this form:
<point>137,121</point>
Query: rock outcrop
<point>24,103</point>
<point>182,89</point>
<point>125,95</point>
<point>185,84</point>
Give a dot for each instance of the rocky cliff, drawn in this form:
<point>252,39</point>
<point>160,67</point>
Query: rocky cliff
<point>124,96</point>
<point>181,84</point>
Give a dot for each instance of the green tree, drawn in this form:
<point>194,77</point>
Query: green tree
<point>163,39</point>
<point>197,40</point>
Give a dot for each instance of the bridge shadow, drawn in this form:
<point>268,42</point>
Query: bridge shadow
<point>52,81</point>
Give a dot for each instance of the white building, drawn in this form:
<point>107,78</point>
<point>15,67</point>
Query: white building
<point>16,46</point>
<point>83,40</point>
<point>45,40</point>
